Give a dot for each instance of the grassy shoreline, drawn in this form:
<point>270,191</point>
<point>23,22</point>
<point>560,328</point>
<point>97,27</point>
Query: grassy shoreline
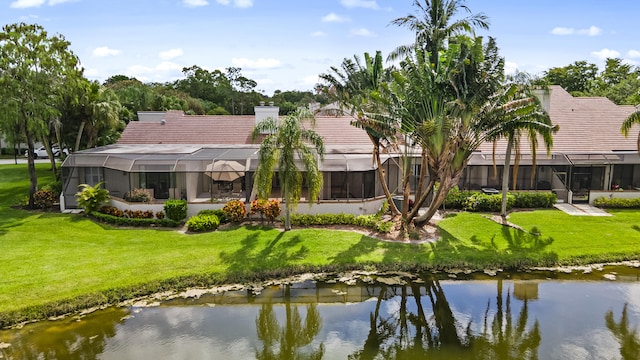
<point>54,264</point>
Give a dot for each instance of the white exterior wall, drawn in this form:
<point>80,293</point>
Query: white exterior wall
<point>330,207</point>
<point>627,194</point>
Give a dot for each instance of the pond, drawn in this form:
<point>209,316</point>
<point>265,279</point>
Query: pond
<point>537,315</point>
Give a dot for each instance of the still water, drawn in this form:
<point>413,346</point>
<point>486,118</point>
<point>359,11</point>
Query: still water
<point>396,316</point>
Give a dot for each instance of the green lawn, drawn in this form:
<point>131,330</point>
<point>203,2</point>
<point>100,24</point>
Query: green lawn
<point>52,263</point>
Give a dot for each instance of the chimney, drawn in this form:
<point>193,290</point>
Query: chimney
<point>544,95</point>
<point>263,112</point>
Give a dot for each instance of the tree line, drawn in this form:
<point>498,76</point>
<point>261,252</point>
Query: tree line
<point>442,96</point>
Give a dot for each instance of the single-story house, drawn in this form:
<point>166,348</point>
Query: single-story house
<point>209,159</point>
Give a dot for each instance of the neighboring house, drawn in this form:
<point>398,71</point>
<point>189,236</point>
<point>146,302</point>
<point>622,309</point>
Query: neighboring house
<point>208,160</point>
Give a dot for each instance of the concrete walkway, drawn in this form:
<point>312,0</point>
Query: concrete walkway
<point>581,210</point>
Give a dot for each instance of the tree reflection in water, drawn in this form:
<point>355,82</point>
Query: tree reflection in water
<point>285,342</point>
<point>68,339</point>
<point>432,331</point>
<point>628,338</point>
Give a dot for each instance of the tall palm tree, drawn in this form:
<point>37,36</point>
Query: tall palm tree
<point>435,23</point>
<point>356,87</point>
<point>632,119</point>
<point>100,110</point>
<point>522,115</point>
<point>285,142</point>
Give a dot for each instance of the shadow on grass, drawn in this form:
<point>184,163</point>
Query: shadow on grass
<point>255,255</point>
<point>516,248</point>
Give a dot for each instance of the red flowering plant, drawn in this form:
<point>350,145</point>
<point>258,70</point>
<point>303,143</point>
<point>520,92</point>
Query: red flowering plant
<point>268,209</point>
<point>234,210</point>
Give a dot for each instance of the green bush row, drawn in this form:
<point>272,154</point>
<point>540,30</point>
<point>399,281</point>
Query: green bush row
<point>369,221</point>
<point>125,221</point>
<point>200,223</point>
<point>617,203</point>
<point>478,201</point>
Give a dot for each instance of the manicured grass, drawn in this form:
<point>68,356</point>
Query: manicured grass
<point>53,263</point>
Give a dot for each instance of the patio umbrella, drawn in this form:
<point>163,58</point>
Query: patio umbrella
<point>225,170</point>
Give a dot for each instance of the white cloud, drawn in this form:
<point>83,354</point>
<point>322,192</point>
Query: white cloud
<point>311,80</point>
<point>139,70</point>
<point>93,73</point>
<point>605,54</point>
<point>369,4</point>
<point>170,54</point>
<point>19,4</point>
<point>361,32</point>
<point>510,67</point>
<point>591,31</point>
<point>56,2</point>
<point>237,3</point>
<point>260,63</point>
<point>105,51</point>
<point>333,17</point>
<point>243,3</point>
<point>318,34</point>
<point>168,66</point>
<point>195,3</point>
<point>634,54</point>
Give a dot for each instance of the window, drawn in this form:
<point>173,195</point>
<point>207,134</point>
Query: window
<point>93,175</point>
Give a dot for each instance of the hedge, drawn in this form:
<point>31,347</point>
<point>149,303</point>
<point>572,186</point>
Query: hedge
<point>369,221</point>
<point>617,203</point>
<point>125,221</point>
<point>478,201</point>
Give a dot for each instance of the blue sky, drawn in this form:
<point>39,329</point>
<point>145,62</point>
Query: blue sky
<point>285,44</point>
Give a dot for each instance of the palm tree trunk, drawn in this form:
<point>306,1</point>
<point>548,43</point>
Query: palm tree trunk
<point>385,188</point>
<point>77,147</point>
<point>33,177</point>
<point>287,211</point>
<point>505,177</point>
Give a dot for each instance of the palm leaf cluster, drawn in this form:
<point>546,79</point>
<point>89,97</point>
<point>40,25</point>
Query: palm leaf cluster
<point>444,97</point>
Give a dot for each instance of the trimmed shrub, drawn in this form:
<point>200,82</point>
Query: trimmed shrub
<point>125,221</point>
<point>617,203</point>
<point>160,214</point>
<point>217,212</point>
<point>486,202</point>
<point>534,200</point>
<point>55,187</point>
<point>369,221</point>
<point>234,210</point>
<point>478,201</point>
<point>175,209</point>
<point>44,199</point>
<point>456,198</point>
<point>137,195</point>
<point>200,223</point>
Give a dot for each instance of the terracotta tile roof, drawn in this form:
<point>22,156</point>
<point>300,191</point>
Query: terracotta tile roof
<point>587,125</point>
<point>225,129</point>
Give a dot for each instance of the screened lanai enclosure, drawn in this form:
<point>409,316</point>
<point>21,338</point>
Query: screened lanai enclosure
<point>201,174</point>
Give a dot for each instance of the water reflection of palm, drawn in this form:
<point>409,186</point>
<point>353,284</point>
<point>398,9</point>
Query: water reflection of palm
<point>283,342</point>
<point>413,334</point>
